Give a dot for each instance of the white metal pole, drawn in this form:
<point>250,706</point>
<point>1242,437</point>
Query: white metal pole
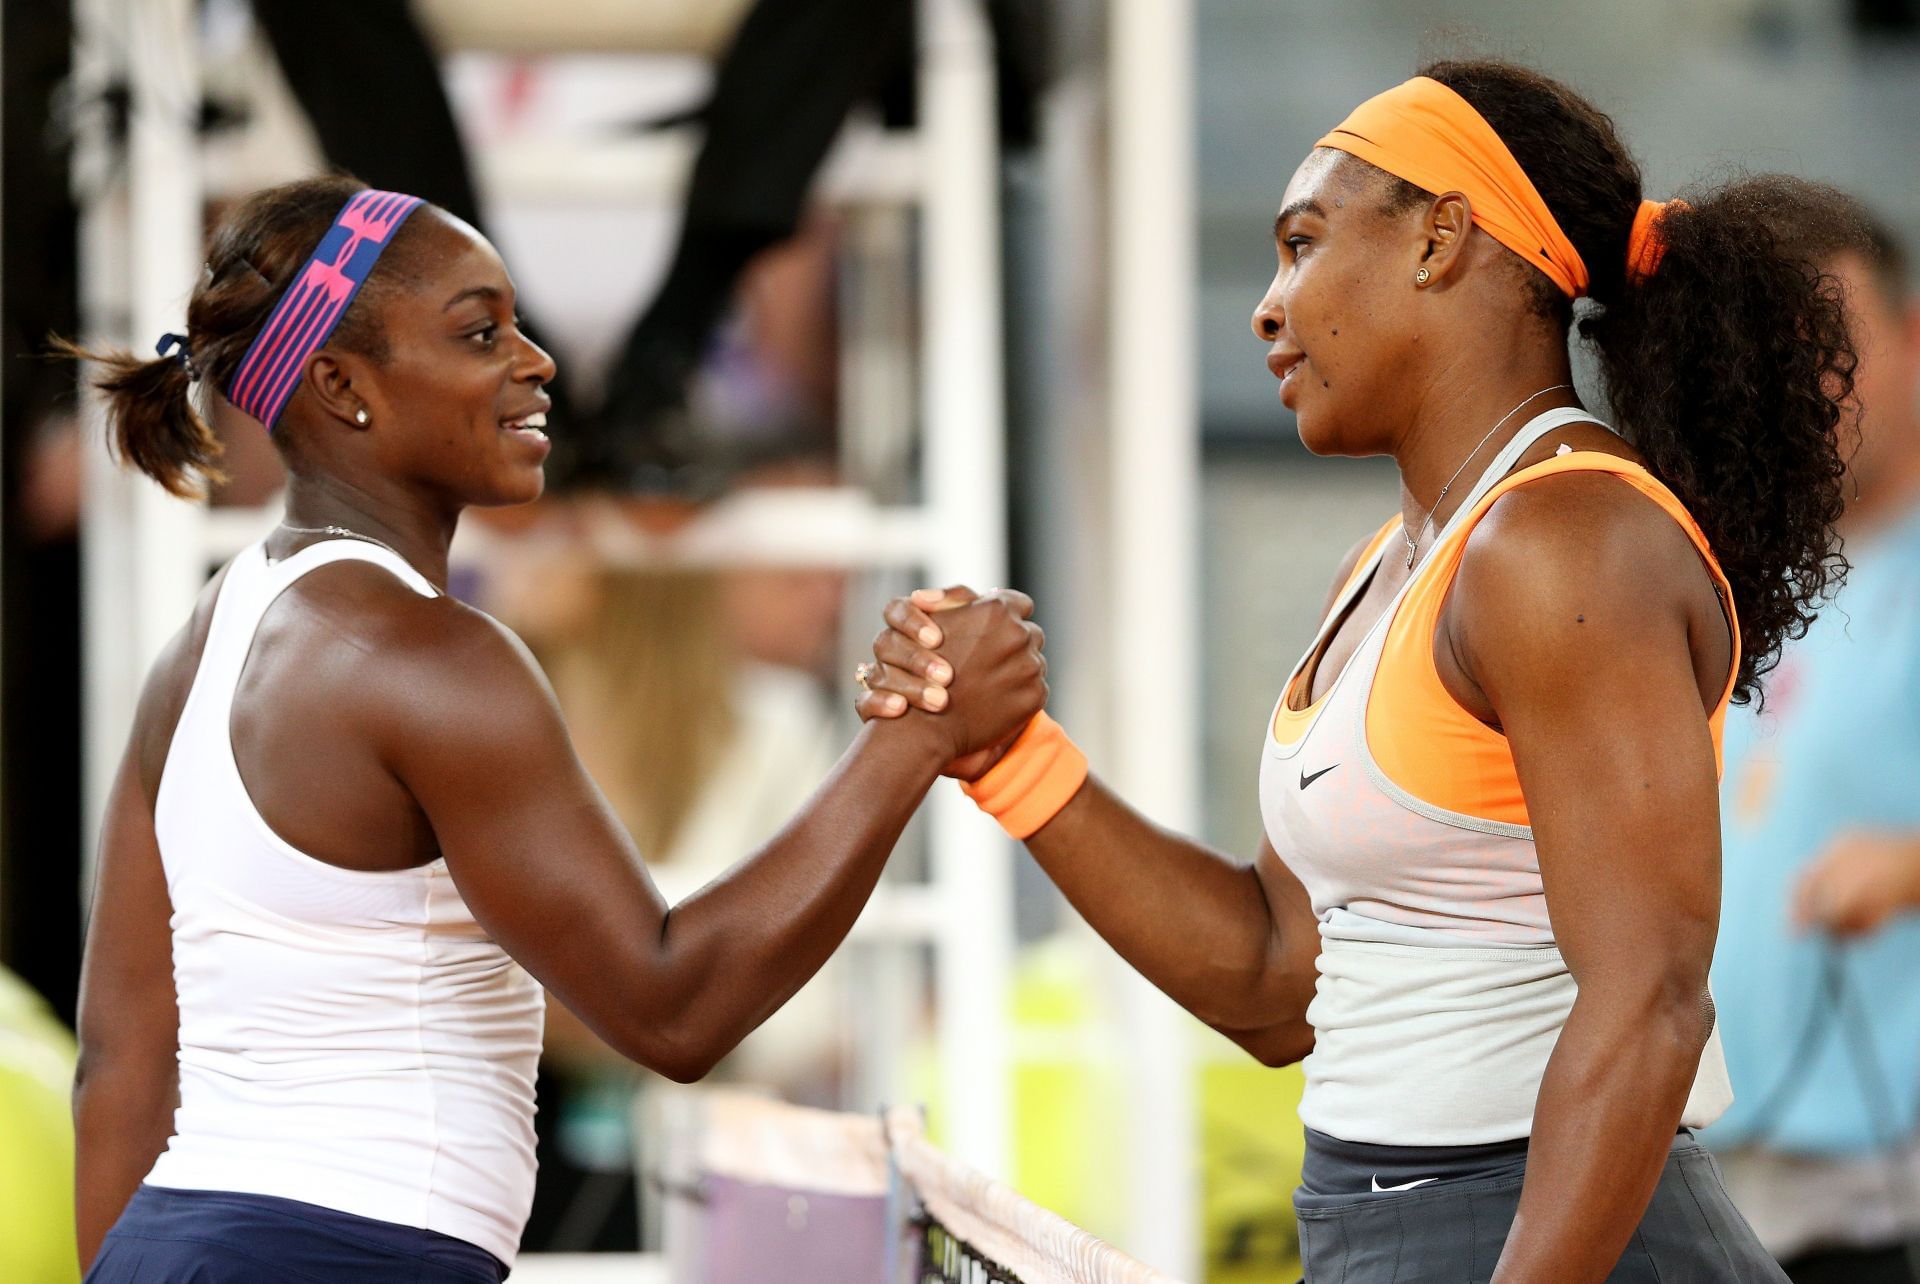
<point>142,564</point>
<point>1154,535</point>
<point>963,416</point>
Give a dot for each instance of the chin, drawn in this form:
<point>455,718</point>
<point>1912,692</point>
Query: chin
<point>514,490</point>
<point>1315,437</point>
<point>1324,435</point>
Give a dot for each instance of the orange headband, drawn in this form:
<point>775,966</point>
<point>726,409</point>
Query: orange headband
<point>1425,133</point>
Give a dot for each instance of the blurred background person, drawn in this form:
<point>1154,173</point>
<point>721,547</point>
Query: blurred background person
<point>1816,974</point>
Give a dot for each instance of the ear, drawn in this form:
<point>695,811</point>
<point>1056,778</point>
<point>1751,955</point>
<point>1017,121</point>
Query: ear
<point>1444,229</point>
<point>330,378</point>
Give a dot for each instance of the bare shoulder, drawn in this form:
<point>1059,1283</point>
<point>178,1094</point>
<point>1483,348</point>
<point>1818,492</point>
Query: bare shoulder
<point>1581,537</point>
<point>431,665</point>
<point>1579,575</point>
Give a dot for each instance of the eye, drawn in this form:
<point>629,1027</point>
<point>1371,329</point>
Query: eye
<point>1296,243</point>
<point>485,334</point>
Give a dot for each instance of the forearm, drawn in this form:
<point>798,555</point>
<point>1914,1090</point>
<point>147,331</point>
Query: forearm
<point>122,1116</point>
<point>1609,1105</point>
<point>1194,921</point>
<point>741,946</point>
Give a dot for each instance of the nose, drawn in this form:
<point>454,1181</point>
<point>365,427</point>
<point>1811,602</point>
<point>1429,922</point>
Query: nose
<point>536,367</point>
<point>1269,316</point>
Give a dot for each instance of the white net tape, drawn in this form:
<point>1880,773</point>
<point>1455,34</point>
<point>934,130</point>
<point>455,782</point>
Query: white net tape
<point>999,1223</point>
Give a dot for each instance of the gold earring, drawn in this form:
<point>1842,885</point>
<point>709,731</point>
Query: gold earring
<point>1422,277</point>
<point>360,415</point>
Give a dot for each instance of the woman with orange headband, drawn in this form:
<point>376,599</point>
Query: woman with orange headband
<point>1487,901</point>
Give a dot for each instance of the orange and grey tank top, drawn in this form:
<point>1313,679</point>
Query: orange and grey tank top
<point>1441,992</point>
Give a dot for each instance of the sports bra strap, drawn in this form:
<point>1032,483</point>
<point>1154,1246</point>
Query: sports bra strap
<point>1496,471</point>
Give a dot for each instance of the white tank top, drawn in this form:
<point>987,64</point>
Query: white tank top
<point>1441,991</point>
<point>350,1039</point>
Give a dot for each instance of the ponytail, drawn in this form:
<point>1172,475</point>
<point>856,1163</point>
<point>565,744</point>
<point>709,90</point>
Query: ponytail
<point>252,258</point>
<point>152,422</point>
<point>1728,367</point>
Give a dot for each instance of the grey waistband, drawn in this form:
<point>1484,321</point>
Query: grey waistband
<point>1338,1169</point>
<point>1335,1167</point>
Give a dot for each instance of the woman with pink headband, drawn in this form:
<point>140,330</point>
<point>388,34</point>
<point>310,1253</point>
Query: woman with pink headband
<point>1487,900</point>
<point>350,840</point>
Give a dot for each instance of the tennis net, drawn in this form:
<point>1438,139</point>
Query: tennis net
<point>975,1230</point>
<point>757,1190</point>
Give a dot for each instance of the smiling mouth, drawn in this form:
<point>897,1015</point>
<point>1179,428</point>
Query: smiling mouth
<point>533,424</point>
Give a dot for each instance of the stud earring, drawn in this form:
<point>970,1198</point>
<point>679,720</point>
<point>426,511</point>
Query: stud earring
<point>360,415</point>
<point>1422,277</point>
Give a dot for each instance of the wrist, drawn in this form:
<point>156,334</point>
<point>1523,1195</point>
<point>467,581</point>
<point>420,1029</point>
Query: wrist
<point>914,738</point>
<point>1035,778</point>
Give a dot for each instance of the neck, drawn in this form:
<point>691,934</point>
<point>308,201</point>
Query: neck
<point>1453,434</point>
<point>417,531</point>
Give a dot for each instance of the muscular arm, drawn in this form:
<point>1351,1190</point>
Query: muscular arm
<point>1587,620</point>
<point>1232,943</point>
<point>547,869</point>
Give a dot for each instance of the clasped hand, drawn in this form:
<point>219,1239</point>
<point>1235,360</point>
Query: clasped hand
<point>981,666</point>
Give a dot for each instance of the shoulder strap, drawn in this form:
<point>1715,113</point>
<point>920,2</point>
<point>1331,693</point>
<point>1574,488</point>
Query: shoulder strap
<point>328,551</point>
<point>1497,469</point>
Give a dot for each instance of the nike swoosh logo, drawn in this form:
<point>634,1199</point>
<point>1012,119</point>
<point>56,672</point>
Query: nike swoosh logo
<point>1306,780</point>
<point>1378,1189</point>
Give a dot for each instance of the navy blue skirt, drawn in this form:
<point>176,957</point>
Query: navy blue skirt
<point>215,1237</point>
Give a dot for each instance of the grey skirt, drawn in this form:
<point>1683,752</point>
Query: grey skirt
<point>1449,1228</point>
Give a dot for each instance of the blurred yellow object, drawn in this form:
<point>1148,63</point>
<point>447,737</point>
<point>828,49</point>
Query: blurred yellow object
<point>1250,1150</point>
<point>36,1159</point>
<point>1069,1140</point>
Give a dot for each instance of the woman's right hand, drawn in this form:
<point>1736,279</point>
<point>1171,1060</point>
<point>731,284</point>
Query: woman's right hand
<point>986,681</point>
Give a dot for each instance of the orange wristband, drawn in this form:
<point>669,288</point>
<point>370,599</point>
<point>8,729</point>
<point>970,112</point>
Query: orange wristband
<point>1039,774</point>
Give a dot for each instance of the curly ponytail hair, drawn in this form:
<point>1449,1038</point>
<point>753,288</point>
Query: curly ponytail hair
<point>1728,368</point>
<point>155,422</point>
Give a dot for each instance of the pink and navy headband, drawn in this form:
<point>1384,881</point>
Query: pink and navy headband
<point>313,305</point>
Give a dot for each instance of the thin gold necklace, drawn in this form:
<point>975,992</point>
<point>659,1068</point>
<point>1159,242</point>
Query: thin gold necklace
<point>1413,541</point>
<point>345,533</point>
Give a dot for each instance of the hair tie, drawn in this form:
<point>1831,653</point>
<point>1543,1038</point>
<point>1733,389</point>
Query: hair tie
<point>1645,246</point>
<point>175,346</point>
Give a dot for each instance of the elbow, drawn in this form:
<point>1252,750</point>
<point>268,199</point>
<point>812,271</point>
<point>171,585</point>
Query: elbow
<point>1670,1005</point>
<point>676,1052</point>
<point>1275,1046</point>
<point>681,1066</point>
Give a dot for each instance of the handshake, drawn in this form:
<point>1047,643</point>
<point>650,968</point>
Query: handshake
<point>972,666</point>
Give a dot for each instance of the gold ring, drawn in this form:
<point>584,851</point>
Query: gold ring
<point>864,673</point>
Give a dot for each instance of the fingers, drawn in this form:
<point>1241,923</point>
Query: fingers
<point>945,599</point>
<point>1021,604</point>
<point>910,620</point>
<point>891,690</point>
<point>895,648</point>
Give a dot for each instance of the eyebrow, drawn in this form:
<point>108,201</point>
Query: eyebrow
<point>1307,206</point>
<point>487,292</point>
